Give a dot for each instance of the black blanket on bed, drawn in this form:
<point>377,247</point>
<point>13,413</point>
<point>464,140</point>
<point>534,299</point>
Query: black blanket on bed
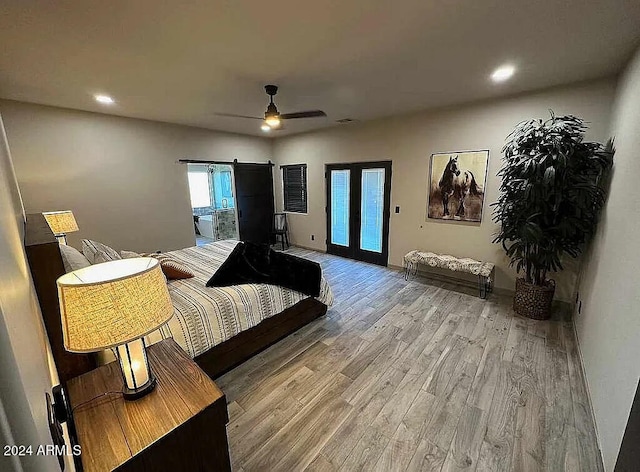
<point>251,263</point>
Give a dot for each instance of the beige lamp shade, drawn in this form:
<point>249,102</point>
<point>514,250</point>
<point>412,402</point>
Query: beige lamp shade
<point>105,305</point>
<point>61,222</point>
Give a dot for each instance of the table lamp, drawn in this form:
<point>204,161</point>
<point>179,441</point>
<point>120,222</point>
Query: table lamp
<point>61,223</point>
<point>115,304</point>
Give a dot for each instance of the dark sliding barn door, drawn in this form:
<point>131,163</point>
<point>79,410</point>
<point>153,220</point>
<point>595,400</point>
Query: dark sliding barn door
<point>358,201</point>
<point>254,199</point>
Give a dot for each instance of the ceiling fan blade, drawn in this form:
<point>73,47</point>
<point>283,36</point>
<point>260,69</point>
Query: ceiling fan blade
<point>232,115</point>
<point>303,114</point>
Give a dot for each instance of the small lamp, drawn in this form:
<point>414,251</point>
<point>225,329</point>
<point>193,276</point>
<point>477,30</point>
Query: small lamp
<point>61,223</point>
<point>115,304</point>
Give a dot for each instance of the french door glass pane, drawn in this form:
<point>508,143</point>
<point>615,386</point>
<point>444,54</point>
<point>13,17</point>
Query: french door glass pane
<point>371,207</point>
<point>340,207</point>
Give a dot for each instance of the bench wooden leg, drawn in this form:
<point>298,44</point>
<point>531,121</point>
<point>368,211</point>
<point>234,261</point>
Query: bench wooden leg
<point>492,279</point>
<point>483,286</point>
<point>410,267</point>
<point>407,272</point>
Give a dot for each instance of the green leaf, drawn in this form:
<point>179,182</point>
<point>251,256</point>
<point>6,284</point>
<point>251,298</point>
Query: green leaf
<point>549,176</point>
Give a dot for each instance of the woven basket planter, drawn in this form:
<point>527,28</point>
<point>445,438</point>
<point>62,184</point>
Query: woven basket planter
<point>533,301</point>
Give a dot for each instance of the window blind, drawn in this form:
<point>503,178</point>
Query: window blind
<point>294,178</point>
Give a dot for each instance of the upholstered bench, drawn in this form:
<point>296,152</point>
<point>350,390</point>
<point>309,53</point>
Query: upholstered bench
<point>484,270</point>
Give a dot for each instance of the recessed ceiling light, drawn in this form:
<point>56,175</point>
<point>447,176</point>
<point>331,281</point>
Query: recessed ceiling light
<point>104,99</point>
<point>265,127</point>
<point>503,73</point>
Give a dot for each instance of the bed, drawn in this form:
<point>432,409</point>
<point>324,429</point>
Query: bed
<point>207,317</point>
<point>219,327</point>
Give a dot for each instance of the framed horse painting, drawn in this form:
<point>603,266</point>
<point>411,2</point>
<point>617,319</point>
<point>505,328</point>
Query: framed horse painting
<point>456,185</point>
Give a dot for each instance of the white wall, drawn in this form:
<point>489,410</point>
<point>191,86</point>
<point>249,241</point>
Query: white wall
<point>409,141</point>
<point>609,326</point>
<point>118,175</point>
<point>26,372</point>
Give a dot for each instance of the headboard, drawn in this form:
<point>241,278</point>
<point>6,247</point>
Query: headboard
<point>45,262</point>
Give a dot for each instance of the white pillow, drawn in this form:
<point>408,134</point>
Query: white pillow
<point>101,257</point>
<point>90,249</point>
<point>72,258</point>
<point>129,254</point>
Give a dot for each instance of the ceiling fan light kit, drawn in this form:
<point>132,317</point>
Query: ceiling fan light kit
<point>272,117</point>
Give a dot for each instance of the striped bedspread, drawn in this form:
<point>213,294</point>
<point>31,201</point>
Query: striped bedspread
<point>206,316</point>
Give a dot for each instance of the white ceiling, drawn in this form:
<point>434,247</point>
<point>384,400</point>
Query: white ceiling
<point>182,62</point>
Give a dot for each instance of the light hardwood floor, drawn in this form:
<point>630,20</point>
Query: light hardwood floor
<point>416,375</point>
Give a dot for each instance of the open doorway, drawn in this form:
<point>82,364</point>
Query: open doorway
<point>212,202</point>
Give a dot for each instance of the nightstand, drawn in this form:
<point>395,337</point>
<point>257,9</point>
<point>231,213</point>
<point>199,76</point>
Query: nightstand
<point>180,426</point>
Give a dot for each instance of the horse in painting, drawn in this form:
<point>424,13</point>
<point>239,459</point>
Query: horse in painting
<point>459,183</point>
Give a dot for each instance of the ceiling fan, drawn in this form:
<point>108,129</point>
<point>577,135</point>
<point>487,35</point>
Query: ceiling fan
<point>272,117</point>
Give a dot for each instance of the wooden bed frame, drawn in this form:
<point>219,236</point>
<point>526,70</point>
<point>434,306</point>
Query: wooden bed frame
<point>45,261</point>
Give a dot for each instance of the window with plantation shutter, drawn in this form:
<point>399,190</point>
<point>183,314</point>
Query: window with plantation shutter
<point>294,180</point>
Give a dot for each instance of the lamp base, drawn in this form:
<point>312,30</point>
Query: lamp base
<point>133,394</point>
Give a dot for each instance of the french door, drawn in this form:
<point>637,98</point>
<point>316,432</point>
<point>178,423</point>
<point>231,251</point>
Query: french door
<point>358,209</point>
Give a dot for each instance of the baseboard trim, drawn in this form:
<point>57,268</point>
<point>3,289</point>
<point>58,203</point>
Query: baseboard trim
<point>588,388</point>
<point>453,280</point>
<point>558,305</point>
<point>308,248</point>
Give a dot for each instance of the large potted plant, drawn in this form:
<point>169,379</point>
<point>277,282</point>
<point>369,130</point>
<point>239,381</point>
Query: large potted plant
<point>551,193</point>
